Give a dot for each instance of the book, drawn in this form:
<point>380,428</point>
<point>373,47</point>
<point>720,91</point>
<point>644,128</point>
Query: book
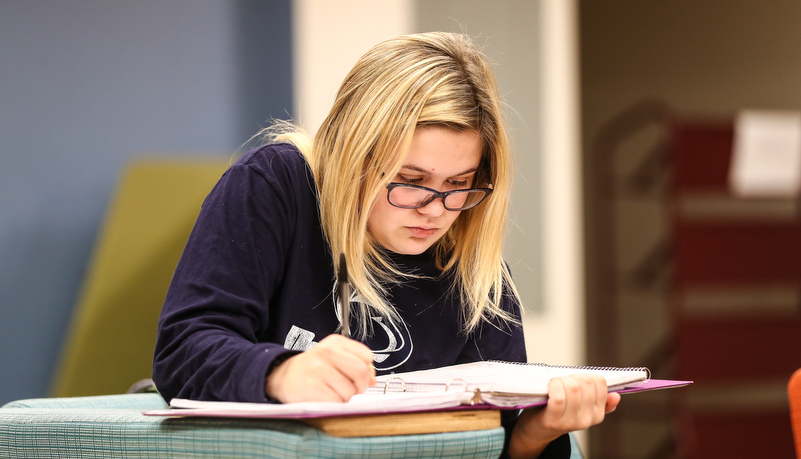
<point>364,415</point>
<point>457,397</point>
<point>413,423</point>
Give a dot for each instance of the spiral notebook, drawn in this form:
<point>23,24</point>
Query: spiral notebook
<point>430,400</point>
<point>503,384</point>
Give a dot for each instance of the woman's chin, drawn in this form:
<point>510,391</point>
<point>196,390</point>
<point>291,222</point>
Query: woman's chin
<point>412,246</point>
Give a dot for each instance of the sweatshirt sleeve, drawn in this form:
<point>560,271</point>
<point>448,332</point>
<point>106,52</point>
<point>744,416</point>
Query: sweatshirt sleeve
<point>217,305</point>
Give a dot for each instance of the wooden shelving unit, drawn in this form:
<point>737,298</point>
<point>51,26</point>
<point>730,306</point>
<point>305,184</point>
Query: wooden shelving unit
<point>723,275</point>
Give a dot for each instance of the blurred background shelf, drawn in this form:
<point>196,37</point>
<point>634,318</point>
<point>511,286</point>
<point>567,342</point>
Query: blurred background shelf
<point>710,282</point>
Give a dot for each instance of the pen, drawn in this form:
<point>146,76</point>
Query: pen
<point>344,295</point>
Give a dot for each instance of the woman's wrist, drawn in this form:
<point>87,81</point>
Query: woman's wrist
<point>271,388</point>
<point>525,443</point>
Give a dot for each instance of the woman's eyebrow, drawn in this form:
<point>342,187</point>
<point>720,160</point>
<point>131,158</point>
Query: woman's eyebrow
<point>424,171</point>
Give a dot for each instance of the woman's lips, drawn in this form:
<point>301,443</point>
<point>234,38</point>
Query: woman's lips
<point>422,232</point>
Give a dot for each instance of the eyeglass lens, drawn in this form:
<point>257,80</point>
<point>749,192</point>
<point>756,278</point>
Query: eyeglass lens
<point>409,197</point>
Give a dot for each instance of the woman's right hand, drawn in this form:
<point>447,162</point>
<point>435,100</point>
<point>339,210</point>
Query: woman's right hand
<point>332,371</point>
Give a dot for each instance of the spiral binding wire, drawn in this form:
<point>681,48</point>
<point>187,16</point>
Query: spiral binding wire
<point>579,367</point>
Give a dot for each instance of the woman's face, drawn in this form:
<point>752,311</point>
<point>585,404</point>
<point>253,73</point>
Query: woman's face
<point>438,158</point>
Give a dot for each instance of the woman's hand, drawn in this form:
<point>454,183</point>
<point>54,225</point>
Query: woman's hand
<point>574,403</point>
<point>332,371</point>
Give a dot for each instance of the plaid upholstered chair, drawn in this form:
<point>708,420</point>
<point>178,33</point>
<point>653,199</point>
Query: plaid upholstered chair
<point>113,426</point>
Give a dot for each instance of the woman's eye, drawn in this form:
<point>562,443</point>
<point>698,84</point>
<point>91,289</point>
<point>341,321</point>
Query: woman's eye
<point>409,180</point>
<point>458,183</point>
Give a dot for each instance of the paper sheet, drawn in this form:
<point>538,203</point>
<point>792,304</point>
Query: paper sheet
<point>766,157</point>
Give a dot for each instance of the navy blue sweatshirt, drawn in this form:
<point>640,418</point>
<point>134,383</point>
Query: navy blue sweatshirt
<point>256,281</point>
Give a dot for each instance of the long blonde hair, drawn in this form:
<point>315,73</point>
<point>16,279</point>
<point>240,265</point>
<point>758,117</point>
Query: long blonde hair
<point>433,79</point>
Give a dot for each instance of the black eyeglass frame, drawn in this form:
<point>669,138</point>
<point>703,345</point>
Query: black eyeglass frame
<point>436,195</point>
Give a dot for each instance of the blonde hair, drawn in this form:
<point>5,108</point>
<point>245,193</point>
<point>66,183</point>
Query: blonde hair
<point>425,80</point>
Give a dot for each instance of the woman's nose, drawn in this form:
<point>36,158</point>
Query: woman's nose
<point>435,208</point>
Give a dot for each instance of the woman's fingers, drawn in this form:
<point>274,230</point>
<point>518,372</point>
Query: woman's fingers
<point>352,365</point>
<point>334,370</point>
<point>577,402</point>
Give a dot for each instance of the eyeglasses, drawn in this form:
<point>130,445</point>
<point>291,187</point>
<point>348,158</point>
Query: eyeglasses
<point>408,196</point>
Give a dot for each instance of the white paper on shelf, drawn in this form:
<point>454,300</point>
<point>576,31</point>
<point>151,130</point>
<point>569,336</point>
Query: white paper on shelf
<point>766,157</point>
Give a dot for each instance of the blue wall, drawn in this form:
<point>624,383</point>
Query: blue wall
<point>84,87</point>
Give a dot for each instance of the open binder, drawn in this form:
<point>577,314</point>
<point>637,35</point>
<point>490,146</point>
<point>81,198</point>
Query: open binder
<point>458,397</point>
<point>505,385</point>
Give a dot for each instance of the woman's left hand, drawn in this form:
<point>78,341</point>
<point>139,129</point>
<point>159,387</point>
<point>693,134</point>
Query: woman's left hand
<point>574,403</point>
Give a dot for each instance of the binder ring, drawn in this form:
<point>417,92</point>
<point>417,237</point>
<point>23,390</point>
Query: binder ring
<point>394,378</point>
<point>456,380</point>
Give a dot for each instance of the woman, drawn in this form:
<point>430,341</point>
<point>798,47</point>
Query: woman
<point>409,178</point>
